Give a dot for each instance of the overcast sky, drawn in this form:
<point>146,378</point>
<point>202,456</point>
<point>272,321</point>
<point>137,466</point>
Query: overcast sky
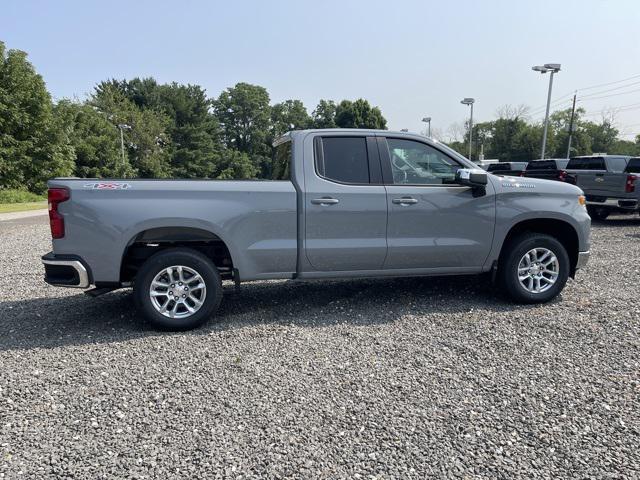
<point>410,58</point>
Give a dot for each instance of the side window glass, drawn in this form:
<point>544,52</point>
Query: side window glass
<point>343,159</point>
<point>414,163</point>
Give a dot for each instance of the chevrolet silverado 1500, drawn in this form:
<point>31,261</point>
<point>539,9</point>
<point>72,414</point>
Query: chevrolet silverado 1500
<point>609,183</point>
<point>342,203</point>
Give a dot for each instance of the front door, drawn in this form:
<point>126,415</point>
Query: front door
<point>433,222</point>
<point>345,204</point>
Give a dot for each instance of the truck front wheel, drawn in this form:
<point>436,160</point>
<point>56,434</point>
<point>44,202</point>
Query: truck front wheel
<point>178,289</point>
<point>597,213</point>
<point>534,268</point>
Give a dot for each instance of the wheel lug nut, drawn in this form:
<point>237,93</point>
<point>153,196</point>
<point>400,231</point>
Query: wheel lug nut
<point>184,296</point>
<point>175,298</point>
<point>170,293</point>
<point>179,283</point>
<point>172,285</point>
<point>186,289</point>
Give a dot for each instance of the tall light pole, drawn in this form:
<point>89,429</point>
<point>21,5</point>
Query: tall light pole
<point>121,127</point>
<point>470,102</point>
<point>428,120</point>
<point>553,68</point>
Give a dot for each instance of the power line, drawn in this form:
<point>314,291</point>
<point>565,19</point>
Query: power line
<point>581,99</point>
<point>610,90</point>
<point>536,110</point>
<point>610,83</point>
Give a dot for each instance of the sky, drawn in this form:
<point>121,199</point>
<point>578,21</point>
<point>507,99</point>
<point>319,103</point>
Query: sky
<point>410,58</point>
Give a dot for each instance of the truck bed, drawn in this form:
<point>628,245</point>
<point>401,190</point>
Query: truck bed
<point>103,218</point>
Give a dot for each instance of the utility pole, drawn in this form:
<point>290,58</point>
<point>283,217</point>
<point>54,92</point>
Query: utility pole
<point>573,115</point>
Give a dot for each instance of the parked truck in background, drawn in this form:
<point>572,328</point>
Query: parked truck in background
<point>342,204</point>
<point>608,184</point>
<point>514,169</point>
<point>549,169</point>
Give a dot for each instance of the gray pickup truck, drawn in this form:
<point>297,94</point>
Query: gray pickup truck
<point>342,203</point>
<point>608,182</point>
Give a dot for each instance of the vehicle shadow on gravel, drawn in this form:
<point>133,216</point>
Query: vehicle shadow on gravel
<point>79,320</point>
<point>617,221</point>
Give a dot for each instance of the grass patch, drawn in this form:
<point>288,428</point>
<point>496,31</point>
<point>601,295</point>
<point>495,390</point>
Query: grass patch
<point>22,207</point>
<point>10,195</point>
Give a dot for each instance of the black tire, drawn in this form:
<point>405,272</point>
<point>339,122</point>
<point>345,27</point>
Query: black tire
<point>597,213</point>
<point>515,250</point>
<point>173,257</point>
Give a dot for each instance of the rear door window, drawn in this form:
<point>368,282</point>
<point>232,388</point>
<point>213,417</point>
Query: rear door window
<point>343,159</point>
<point>586,163</point>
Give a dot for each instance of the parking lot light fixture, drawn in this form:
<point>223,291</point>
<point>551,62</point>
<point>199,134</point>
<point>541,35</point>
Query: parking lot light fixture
<point>427,120</point>
<point>470,102</point>
<point>552,68</point>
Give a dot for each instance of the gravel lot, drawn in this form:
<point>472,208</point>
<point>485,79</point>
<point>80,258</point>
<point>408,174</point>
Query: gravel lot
<point>354,379</point>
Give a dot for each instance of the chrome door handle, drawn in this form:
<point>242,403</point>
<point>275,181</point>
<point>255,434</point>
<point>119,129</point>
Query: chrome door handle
<point>325,201</point>
<point>405,201</point>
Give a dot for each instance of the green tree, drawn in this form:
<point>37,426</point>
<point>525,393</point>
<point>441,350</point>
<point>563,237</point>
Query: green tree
<point>95,141</point>
<point>33,146</point>
<point>244,115</point>
<point>359,114</point>
<point>324,115</point>
<point>193,129</point>
<point>145,131</point>
<point>289,115</point>
<point>603,136</point>
<point>560,122</point>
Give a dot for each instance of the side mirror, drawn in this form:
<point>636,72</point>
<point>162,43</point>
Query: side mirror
<point>475,178</point>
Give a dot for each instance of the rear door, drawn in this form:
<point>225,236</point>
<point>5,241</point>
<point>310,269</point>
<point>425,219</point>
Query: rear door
<point>345,203</point>
<point>433,222</point>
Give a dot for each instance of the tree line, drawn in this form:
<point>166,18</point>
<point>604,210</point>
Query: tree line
<point>513,137</point>
<point>168,130</point>
<point>177,131</point>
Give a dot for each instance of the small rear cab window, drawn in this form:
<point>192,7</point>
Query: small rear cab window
<point>542,165</point>
<point>586,163</point>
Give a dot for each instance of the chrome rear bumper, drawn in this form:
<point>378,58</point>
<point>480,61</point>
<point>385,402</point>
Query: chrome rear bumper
<point>64,272</point>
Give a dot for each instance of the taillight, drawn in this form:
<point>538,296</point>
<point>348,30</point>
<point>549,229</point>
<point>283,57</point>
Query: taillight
<point>630,186</point>
<point>562,176</point>
<point>56,196</point>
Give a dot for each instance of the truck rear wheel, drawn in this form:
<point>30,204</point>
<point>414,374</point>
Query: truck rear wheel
<point>534,268</point>
<point>178,289</point>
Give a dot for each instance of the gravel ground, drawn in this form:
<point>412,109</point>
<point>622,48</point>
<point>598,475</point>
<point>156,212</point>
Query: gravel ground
<point>405,378</point>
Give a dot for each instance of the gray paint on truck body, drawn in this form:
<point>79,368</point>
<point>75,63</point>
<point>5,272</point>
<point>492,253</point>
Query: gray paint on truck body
<point>272,229</point>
